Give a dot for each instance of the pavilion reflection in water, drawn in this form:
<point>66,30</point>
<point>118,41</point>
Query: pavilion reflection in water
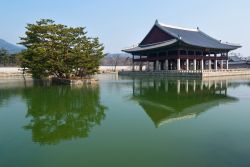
<point>169,100</point>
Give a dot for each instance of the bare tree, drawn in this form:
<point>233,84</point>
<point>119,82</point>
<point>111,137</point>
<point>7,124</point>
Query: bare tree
<point>115,60</point>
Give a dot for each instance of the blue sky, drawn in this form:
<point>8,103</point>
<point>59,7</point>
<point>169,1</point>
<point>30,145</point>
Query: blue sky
<point>122,23</point>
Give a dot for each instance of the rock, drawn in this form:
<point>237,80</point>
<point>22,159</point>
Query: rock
<point>83,81</point>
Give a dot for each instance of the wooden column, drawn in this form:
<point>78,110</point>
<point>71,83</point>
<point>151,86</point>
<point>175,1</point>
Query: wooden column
<point>157,65</point>
<point>209,64</point>
<point>215,64</point>
<point>215,61</point>
<point>140,64</point>
<point>178,61</point>
<point>187,64</point>
<point>133,63</point>
<point>195,64</point>
<point>194,61</point>
<point>202,64</point>
<point>227,62</point>
<point>166,64</point>
<point>221,64</point>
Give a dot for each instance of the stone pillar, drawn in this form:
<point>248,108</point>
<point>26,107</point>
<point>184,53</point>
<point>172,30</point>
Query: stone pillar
<point>187,64</point>
<point>209,64</point>
<point>157,65</point>
<point>215,64</point>
<point>202,64</point>
<point>166,64</point>
<point>221,64</point>
<point>178,64</point>
<point>194,64</point>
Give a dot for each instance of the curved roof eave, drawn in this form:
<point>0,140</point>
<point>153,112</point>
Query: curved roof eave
<point>150,47</point>
<point>226,48</point>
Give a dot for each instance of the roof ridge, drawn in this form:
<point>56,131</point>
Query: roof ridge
<point>176,27</point>
<point>156,43</point>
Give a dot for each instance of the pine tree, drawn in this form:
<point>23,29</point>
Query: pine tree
<point>60,51</point>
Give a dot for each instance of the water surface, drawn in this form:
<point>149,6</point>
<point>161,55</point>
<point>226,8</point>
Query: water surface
<point>126,122</point>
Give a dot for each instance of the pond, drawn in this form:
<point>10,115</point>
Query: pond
<point>126,121</point>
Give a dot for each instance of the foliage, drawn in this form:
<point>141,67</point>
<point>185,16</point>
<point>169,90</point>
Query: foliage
<point>59,50</point>
<point>6,58</point>
<point>3,52</point>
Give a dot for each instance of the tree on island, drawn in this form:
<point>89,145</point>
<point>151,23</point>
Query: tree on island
<point>60,51</point>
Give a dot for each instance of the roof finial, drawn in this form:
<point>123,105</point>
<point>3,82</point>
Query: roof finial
<point>156,21</point>
<point>198,28</point>
<point>179,36</point>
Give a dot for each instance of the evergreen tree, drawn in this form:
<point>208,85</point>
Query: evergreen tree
<point>60,51</point>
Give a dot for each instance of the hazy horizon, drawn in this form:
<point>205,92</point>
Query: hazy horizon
<point>120,24</point>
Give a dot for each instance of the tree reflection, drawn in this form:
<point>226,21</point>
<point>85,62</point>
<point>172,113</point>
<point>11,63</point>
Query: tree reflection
<point>62,113</point>
<point>11,88</point>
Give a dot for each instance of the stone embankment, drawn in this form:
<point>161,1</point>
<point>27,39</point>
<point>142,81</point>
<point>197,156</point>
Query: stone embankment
<point>10,71</point>
<point>190,73</point>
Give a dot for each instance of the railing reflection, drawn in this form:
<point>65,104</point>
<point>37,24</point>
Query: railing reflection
<point>182,86</point>
<point>167,100</point>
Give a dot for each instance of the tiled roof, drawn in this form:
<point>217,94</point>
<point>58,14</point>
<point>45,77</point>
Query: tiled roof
<point>193,37</point>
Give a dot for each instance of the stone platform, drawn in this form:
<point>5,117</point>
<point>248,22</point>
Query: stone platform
<point>189,73</point>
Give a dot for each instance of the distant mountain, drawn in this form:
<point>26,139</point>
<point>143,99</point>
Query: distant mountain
<point>11,48</point>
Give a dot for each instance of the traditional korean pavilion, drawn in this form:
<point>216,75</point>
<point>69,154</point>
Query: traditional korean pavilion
<point>168,47</point>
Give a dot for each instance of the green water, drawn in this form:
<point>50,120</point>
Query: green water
<point>126,122</point>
